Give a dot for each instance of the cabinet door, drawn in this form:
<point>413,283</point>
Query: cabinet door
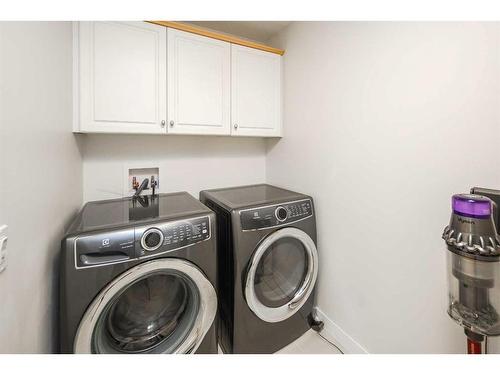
<point>255,92</point>
<point>198,84</point>
<point>122,77</point>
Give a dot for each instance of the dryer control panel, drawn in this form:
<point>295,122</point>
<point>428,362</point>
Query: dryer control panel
<point>275,215</point>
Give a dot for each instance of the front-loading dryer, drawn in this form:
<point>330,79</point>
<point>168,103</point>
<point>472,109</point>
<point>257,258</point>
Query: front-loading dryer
<point>268,265</point>
<point>138,275</point>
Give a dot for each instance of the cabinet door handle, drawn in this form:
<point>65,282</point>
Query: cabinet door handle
<point>171,123</point>
<point>235,126</point>
<point>162,123</point>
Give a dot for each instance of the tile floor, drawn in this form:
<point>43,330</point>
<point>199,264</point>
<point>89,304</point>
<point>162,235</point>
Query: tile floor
<point>309,343</point>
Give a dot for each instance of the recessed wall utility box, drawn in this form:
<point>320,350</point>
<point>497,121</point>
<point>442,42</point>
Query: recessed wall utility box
<point>135,177</point>
<point>3,247</point>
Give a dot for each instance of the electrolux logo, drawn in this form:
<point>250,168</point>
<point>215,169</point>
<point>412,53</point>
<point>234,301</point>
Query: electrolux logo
<point>105,242</point>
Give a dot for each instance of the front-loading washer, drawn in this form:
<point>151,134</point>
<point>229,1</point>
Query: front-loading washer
<point>138,275</point>
<point>268,265</point>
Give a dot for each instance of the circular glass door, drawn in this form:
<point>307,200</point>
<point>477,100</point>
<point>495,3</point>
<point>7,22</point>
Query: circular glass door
<point>161,306</point>
<point>281,274</point>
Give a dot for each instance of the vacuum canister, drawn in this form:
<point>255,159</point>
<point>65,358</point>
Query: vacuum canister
<point>473,267</point>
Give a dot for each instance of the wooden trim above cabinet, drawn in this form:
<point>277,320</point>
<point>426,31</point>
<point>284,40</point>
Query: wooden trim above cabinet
<point>215,35</point>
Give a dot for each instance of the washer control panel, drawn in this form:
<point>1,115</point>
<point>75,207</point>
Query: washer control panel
<point>117,246</point>
<point>280,214</point>
<point>172,235</point>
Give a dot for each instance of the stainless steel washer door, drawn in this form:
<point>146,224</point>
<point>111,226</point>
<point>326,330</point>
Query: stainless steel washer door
<point>161,306</point>
<point>281,274</point>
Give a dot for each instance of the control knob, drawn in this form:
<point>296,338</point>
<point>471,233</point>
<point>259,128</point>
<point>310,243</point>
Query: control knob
<point>281,213</point>
<point>152,239</point>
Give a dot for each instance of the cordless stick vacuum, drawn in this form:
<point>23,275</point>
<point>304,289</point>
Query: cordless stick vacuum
<point>473,258</point>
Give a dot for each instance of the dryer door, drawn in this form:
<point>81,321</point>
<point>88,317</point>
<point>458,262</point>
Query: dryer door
<point>281,274</point>
<point>161,306</point>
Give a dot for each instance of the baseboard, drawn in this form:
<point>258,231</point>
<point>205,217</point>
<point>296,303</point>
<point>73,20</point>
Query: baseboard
<point>333,333</point>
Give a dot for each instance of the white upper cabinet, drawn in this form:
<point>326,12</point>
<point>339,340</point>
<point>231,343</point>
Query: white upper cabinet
<point>199,84</point>
<point>121,75</point>
<point>139,77</point>
<point>255,92</point>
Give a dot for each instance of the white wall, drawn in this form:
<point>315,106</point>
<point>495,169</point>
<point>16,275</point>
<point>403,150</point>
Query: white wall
<point>383,122</point>
<point>187,163</point>
<point>40,177</point>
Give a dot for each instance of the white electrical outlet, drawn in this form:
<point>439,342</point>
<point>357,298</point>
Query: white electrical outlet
<point>3,247</point>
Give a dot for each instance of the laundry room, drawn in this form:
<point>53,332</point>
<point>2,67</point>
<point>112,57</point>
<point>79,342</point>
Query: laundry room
<point>178,182</point>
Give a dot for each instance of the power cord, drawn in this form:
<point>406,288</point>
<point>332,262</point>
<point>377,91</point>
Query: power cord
<point>331,343</point>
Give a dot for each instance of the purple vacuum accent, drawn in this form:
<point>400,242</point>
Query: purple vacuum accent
<point>471,205</point>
